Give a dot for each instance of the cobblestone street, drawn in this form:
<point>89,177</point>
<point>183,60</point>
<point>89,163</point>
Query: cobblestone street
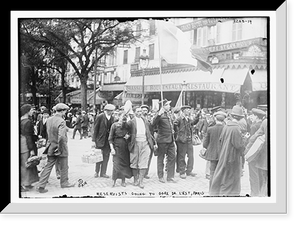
<point>102,187</point>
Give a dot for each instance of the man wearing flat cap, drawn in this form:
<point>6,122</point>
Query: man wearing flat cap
<point>256,118</point>
<point>57,148</point>
<point>183,127</point>
<point>227,177</point>
<point>165,141</point>
<point>102,127</point>
<point>211,142</point>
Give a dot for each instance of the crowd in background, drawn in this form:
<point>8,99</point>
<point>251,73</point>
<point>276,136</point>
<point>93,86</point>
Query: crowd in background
<point>134,137</point>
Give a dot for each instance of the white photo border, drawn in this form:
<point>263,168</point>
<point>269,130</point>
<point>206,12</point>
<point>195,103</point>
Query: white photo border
<point>276,203</point>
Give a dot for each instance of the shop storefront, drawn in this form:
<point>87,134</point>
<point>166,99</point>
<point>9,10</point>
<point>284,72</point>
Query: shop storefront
<point>224,87</point>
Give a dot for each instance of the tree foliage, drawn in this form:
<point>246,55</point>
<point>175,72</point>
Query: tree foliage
<point>76,41</point>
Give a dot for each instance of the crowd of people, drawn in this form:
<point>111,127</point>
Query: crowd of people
<point>133,137</point>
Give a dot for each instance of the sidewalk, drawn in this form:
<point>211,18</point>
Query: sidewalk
<point>80,172</point>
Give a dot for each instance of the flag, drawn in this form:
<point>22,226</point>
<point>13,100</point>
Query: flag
<point>179,100</point>
<point>174,45</point>
<point>201,55</point>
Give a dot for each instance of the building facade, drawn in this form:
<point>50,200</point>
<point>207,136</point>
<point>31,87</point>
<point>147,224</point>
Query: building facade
<point>237,51</point>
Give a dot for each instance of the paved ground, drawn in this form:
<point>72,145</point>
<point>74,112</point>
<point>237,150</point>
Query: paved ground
<point>101,187</point>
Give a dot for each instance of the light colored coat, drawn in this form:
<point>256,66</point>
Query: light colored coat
<point>131,125</point>
<point>57,136</point>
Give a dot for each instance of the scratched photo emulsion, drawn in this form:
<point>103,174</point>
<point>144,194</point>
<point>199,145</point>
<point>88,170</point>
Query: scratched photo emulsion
<point>144,108</point>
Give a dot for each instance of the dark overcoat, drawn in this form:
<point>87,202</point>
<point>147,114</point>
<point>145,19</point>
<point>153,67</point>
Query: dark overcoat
<point>101,130</point>
<point>165,128</point>
<point>211,142</point>
<point>227,178</point>
<point>184,128</point>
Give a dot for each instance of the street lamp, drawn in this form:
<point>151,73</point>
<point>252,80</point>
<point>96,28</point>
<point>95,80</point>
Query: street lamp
<point>144,61</point>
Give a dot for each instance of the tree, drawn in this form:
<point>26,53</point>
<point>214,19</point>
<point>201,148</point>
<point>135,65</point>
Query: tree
<point>31,62</point>
<point>77,40</point>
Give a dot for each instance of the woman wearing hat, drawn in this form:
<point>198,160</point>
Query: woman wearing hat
<point>119,149</point>
<point>227,178</point>
<point>28,148</point>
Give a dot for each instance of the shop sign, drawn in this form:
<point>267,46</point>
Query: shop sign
<point>76,99</point>
<point>208,86</point>
<point>201,23</point>
<point>134,97</point>
<point>236,45</point>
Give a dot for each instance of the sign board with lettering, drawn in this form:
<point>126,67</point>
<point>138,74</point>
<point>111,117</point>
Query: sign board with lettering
<point>201,23</point>
<point>237,45</point>
<point>134,97</point>
<point>200,86</point>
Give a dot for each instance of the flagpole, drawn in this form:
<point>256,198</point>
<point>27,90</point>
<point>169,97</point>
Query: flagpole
<point>161,87</point>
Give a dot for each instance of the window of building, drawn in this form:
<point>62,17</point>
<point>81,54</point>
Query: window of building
<point>204,35</point>
<point>199,36</point>
<point>152,27</point>
<point>211,37</point>
<point>218,33</point>
<point>125,58</point>
<point>228,56</point>
<point>151,51</point>
<point>237,31</point>
<point>137,54</point>
<point>195,33</point>
<point>138,28</point>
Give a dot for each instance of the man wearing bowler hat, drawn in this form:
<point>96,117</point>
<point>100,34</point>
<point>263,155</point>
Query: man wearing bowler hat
<point>102,127</point>
<point>56,149</point>
<point>165,141</point>
<point>227,178</point>
<point>183,127</point>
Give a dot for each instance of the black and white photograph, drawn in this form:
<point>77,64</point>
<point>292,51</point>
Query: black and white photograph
<point>145,108</point>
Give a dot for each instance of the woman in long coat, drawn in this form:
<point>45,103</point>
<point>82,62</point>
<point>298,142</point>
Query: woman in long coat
<point>28,148</point>
<point>119,149</point>
<point>227,178</point>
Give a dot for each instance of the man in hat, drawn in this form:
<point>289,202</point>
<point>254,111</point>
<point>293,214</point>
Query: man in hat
<point>256,118</point>
<point>227,178</point>
<point>77,125</point>
<point>85,124</point>
<point>211,142</point>
<point>183,127</point>
<point>140,145</point>
<point>261,161</point>
<point>147,117</point>
<point>57,148</point>
<point>165,141</point>
<point>41,124</point>
<point>102,127</point>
